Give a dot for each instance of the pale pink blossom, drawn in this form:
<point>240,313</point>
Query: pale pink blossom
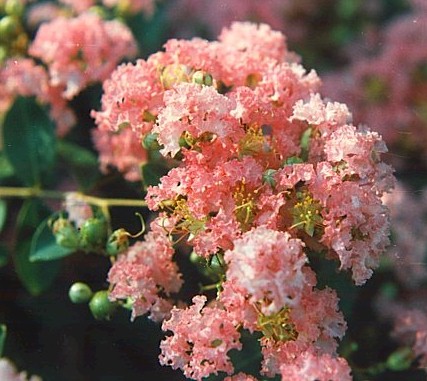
<point>309,366</point>
<point>122,150</point>
<point>81,50</point>
<point>24,77</point>
<point>408,211</point>
<point>267,265</point>
<point>143,273</point>
<point>386,88</point>
<point>202,337</point>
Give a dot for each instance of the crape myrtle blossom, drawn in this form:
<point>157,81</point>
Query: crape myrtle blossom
<point>409,319</point>
<point>408,213</point>
<point>387,87</point>
<point>268,175</point>
<point>82,50</point>
<point>146,274</point>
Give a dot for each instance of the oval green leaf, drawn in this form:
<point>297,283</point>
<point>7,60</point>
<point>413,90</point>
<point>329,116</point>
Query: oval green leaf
<point>36,277</point>
<point>29,140</point>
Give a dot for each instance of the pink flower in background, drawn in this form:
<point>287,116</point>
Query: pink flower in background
<point>387,89</point>
<point>82,50</point>
<point>408,213</point>
<point>8,372</point>
<point>22,76</point>
<point>122,150</point>
<point>408,316</point>
<point>78,210</point>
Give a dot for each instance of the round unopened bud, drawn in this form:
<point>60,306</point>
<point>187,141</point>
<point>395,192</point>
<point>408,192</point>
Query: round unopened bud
<point>400,359</point>
<point>9,27</point>
<point>150,142</point>
<point>93,233</point>
<point>202,78</point>
<point>80,293</point>
<point>65,233</point>
<point>14,7</point>
<point>118,242</point>
<point>101,307</point>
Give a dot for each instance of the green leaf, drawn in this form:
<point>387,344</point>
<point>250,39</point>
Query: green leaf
<point>3,213</point>
<point>44,246</point>
<point>29,141</point>
<point>6,170</point>
<point>36,277</point>
<point>152,172</point>
<point>4,255</point>
<point>84,163</point>
<point>3,332</point>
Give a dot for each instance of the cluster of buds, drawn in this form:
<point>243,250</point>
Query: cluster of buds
<point>99,304</point>
<point>13,38</point>
<point>92,235</point>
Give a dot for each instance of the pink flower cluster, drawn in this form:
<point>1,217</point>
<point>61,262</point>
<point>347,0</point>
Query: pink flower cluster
<point>270,174</point>
<point>408,212</point>
<point>409,319</point>
<point>147,275</point>
<point>387,89</point>
<point>77,52</point>
<point>81,50</point>
<point>22,76</point>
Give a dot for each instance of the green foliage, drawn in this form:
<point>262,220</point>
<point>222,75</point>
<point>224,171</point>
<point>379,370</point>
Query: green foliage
<point>4,255</point>
<point>36,277</point>
<point>6,170</point>
<point>82,162</point>
<point>29,141</point>
<point>3,213</point>
<point>3,331</point>
<point>152,172</point>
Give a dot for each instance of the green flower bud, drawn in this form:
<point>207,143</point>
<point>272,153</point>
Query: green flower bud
<point>9,27</point>
<point>66,235</point>
<point>3,53</point>
<point>118,242</point>
<point>202,78</point>
<point>80,293</point>
<point>93,233</point>
<point>150,142</point>
<point>14,7</point>
<point>101,307</point>
<point>400,359</point>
